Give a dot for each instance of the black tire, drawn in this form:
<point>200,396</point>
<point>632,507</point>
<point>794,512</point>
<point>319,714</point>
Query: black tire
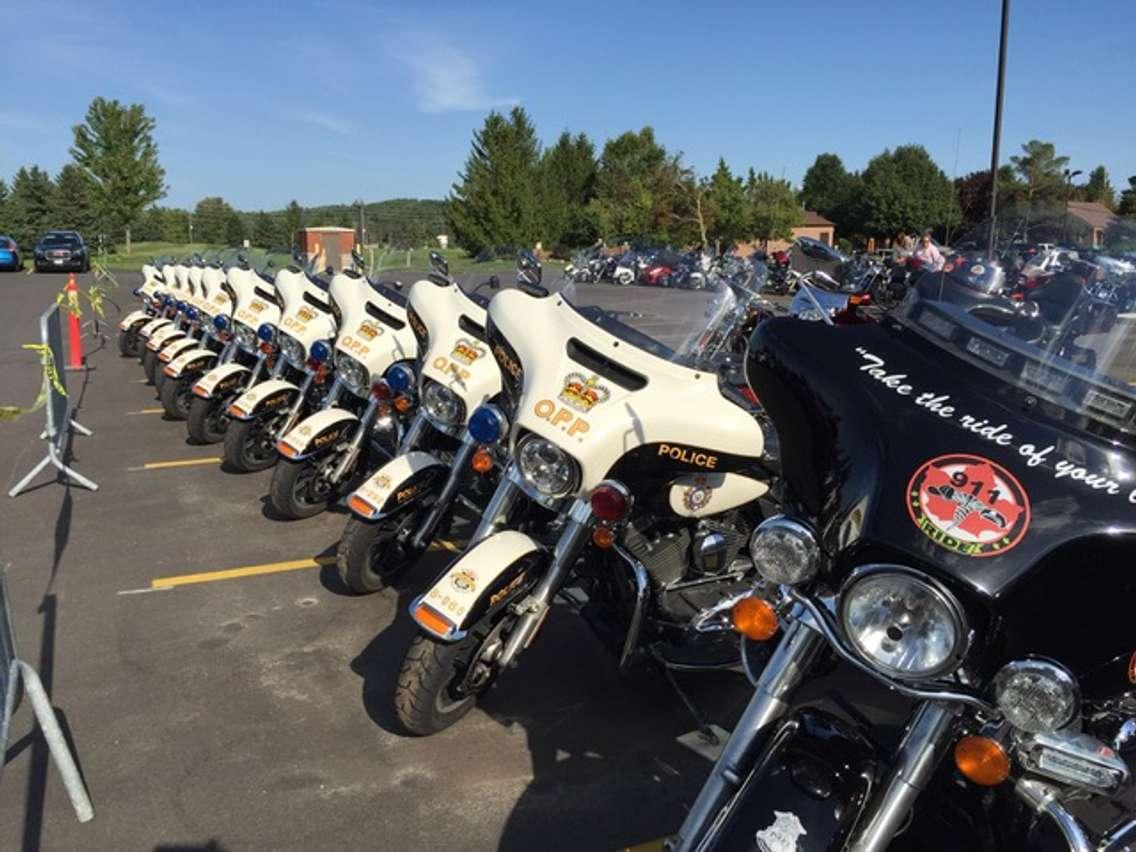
<point>176,395</point>
<point>249,447</point>
<point>370,556</point>
<point>294,493</point>
<point>150,365</point>
<point>433,692</point>
<point>208,420</point>
<point>129,343</point>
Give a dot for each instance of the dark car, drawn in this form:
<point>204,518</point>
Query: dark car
<point>9,254</point>
<point>61,250</point>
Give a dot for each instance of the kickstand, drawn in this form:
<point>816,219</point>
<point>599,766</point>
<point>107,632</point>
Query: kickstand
<point>705,729</point>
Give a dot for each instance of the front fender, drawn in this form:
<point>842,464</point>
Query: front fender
<point>475,581</point>
<point>162,336</point>
<point>319,432</point>
<point>403,480</point>
<point>263,398</point>
<point>134,320</point>
<point>153,325</point>
<point>221,380</point>
<point>171,351</point>
<point>807,790</point>
<point>189,361</point>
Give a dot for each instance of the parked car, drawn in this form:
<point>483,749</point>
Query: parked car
<point>9,254</point>
<point>61,250</point>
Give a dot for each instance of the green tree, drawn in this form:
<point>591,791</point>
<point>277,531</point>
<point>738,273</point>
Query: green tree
<point>293,220</point>
<point>905,191</point>
<point>3,205</point>
<point>774,209</point>
<point>640,188</point>
<point>115,147</point>
<point>29,206</point>
<point>211,220</point>
<point>1127,205</point>
<point>567,185</point>
<point>495,200</point>
<point>1099,189</point>
<point>1040,170</point>
<point>835,193</point>
<point>729,212</point>
<point>266,230</point>
<point>234,229</point>
<point>72,207</point>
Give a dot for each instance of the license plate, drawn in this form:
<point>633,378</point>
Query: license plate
<point>58,261</point>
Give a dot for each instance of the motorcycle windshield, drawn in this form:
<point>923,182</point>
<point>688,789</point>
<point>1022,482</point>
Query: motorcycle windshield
<point>674,322</point>
<point>487,272</point>
<point>1067,335</point>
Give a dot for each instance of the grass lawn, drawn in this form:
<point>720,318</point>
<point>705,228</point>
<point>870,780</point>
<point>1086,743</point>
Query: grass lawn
<point>142,252</point>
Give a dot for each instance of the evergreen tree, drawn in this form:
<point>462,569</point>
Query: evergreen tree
<point>293,221</point>
<point>729,212</point>
<point>567,185</point>
<point>495,200</point>
<point>774,209</point>
<point>3,206</point>
<point>234,229</point>
<point>905,191</point>
<point>29,206</point>
<point>115,148</point>
<point>71,203</point>
<point>1040,170</point>
<point>641,190</point>
<point>1127,205</point>
<point>1099,188</point>
<point>211,220</point>
<point>835,193</point>
<point>266,230</point>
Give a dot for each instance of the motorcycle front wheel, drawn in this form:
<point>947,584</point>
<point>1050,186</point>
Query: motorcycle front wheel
<point>176,395</point>
<point>440,682</point>
<point>208,419</point>
<point>129,343</point>
<point>150,365</point>
<point>298,491</point>
<point>250,445</point>
<point>373,554</point>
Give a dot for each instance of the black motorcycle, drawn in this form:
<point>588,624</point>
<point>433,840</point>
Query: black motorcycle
<point>957,529</point>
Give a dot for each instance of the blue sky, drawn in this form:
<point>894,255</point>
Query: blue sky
<point>329,101</point>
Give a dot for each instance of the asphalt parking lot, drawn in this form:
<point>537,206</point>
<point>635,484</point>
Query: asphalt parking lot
<point>253,711</point>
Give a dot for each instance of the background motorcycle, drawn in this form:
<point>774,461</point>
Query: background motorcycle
<point>612,489</point>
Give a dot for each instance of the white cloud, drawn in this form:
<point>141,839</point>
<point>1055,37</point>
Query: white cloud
<point>447,79</point>
<point>328,123</point>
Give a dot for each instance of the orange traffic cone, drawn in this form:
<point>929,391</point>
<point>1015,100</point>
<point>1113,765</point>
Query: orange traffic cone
<point>75,344</point>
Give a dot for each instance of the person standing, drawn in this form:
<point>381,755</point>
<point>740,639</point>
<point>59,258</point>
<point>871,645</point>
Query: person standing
<point>902,246</point>
<point>928,253</point>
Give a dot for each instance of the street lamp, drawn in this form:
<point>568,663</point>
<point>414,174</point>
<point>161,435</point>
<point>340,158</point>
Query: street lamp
<point>1069,175</point>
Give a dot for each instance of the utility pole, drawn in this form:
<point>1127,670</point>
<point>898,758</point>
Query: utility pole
<point>1069,175</point>
<point>362,221</point>
<point>998,127</point>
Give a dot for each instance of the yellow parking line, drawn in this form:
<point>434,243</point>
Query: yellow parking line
<point>257,570</point>
<point>649,846</point>
<point>178,463</point>
<point>147,411</point>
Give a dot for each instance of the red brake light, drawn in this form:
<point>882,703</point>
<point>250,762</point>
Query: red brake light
<point>381,390</point>
<point>610,501</point>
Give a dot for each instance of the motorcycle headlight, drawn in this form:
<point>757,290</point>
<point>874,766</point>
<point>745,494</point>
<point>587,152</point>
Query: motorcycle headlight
<point>442,404</point>
<point>902,625</point>
<point>246,337</point>
<point>354,374</point>
<point>546,467</point>
<point>784,551</point>
<point>1036,696</point>
<point>292,349</point>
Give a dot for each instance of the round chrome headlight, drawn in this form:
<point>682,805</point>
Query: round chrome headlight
<point>1036,696</point>
<point>246,337</point>
<point>292,349</point>
<point>442,404</point>
<point>784,551</point>
<point>354,374</point>
<point>546,467</point>
<point>902,625</point>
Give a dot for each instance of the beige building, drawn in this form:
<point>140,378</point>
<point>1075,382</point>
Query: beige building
<point>1094,214</point>
<point>814,226</point>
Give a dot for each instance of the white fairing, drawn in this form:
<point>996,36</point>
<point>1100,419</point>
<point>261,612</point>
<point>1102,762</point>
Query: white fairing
<point>700,495</point>
<point>195,273</point>
<point>252,309</point>
<point>455,358</point>
<point>597,421</point>
<point>215,300</point>
<point>149,274</point>
<point>301,319</point>
<point>374,343</point>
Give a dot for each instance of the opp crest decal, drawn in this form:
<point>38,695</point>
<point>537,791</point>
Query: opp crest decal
<point>968,504</point>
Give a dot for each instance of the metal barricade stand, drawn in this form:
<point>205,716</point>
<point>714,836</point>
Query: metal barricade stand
<point>59,422</point>
<point>14,670</point>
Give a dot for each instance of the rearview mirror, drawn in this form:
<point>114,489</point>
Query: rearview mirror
<point>494,282</point>
<point>357,259</point>
<point>528,268</point>
<point>439,265</point>
<point>817,250</point>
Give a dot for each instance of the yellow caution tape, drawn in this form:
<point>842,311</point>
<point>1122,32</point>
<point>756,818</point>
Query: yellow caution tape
<point>47,363</point>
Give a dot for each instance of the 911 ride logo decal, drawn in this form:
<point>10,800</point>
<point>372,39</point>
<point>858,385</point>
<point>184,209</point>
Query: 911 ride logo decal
<point>968,504</point>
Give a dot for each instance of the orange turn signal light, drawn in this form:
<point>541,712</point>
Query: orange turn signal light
<point>237,412</point>
<point>982,760</point>
<point>603,537</point>
<point>168,371</point>
<point>754,618</point>
<point>360,506</point>
<point>198,390</point>
<point>403,404</point>
<point>287,450</point>
<point>433,622</point>
<point>482,461</point>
